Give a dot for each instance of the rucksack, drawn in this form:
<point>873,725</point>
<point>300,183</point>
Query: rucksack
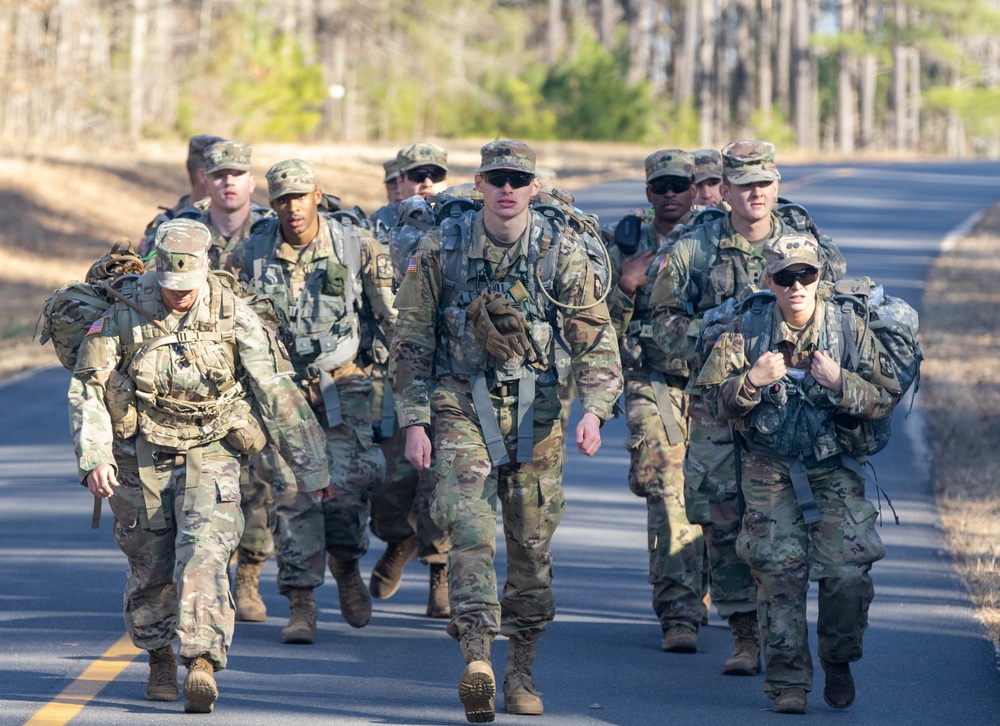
<point>70,311</point>
<point>797,217</point>
<point>893,324</point>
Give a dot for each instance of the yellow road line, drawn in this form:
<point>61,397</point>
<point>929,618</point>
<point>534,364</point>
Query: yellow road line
<point>92,681</point>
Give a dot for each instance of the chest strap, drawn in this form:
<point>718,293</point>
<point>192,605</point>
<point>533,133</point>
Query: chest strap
<point>524,453</point>
<point>331,399</point>
<point>665,405</point>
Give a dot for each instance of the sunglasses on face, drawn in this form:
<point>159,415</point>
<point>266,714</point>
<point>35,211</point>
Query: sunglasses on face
<point>423,173</point>
<point>788,278</point>
<point>516,179</point>
<point>677,186</point>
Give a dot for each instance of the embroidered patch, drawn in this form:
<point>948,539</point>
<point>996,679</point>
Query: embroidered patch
<point>663,264</point>
<point>718,342</point>
<point>411,266</point>
<point>383,267</point>
<point>885,364</point>
<point>96,327</point>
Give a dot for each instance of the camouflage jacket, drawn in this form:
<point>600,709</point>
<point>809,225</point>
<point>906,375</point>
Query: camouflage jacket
<point>247,357</point>
<point>422,332</point>
<point>327,311</point>
<point>632,316</point>
<point>797,417</point>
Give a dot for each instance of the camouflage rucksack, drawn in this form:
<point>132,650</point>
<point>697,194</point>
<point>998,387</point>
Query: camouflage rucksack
<point>72,309</point>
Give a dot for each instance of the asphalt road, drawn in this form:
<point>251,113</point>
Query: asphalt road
<point>926,660</point>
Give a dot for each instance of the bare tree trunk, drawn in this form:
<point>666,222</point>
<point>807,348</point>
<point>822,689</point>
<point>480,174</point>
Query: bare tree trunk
<point>765,68</point>
<point>869,71</point>
<point>913,101</point>
<point>685,68</point>
<point>556,32</point>
<point>609,17</point>
<point>803,89</point>
<point>640,29</point>
<point>744,86</point>
<point>783,62</point>
<point>137,85</point>
<point>723,78</point>
<point>706,75</point>
<point>846,102</point>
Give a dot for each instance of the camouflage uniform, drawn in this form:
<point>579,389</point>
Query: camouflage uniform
<point>654,392</point>
<point>711,263</point>
<point>428,379</point>
<point>195,161</point>
<point>177,510</point>
<point>318,290</point>
<point>781,542</point>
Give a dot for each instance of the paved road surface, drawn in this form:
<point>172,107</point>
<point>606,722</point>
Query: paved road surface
<point>926,659</point>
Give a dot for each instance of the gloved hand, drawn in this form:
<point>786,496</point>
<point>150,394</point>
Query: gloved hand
<point>511,323</point>
<point>486,333</point>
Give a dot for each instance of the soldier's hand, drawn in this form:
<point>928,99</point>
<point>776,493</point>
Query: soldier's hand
<point>826,371</point>
<point>418,447</point>
<point>588,434</point>
<point>325,494</point>
<point>102,480</point>
<point>769,368</point>
<point>634,272</point>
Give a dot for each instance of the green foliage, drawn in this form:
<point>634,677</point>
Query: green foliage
<point>591,99</point>
<point>978,108</point>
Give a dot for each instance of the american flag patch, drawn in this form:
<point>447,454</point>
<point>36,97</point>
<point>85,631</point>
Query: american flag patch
<point>411,266</point>
<point>663,263</point>
<point>718,343</point>
<point>96,327</point>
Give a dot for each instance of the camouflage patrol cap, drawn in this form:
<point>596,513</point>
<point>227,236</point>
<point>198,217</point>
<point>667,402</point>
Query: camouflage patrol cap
<point>197,146</point>
<point>422,154</point>
<point>227,155</point>
<point>707,165</point>
<point>746,162</point>
<point>182,254</point>
<point>669,162</point>
<point>292,176</point>
<point>391,167</point>
<point>791,249</point>
<point>506,154</point>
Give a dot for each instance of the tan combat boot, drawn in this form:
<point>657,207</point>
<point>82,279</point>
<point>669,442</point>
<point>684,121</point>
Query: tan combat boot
<point>200,691</point>
<point>437,600</point>
<point>791,700</point>
<point>162,685</point>
<point>477,687</point>
<point>355,603</point>
<point>388,572</point>
<point>745,660</point>
<point>519,694</point>
<point>249,606</point>
<point>301,628</point>
<point>680,639</point>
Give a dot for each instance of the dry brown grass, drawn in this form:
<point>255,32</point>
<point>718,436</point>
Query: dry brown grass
<point>960,336</point>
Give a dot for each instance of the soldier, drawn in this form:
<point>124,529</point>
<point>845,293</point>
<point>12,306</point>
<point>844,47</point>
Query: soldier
<point>708,179</point>
<point>720,261</point>
<point>195,162</point>
<point>161,411</point>
<point>655,404</point>
<point>423,169</point>
<point>321,275</point>
<point>463,328</point>
<point>386,216</point>
<point>776,372</point>
<point>401,503</point>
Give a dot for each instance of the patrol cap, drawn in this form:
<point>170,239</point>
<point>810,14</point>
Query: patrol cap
<point>506,154</point>
<point>670,162</point>
<point>421,154</point>
<point>707,165</point>
<point>196,149</point>
<point>292,176</point>
<point>227,155</point>
<point>791,249</point>
<point>746,162</point>
<point>182,254</point>
<point>391,167</point>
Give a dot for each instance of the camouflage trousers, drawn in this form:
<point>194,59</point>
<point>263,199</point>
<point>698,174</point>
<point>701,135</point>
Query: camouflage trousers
<point>784,553</point>
<point>401,503</point>
<point>306,531</point>
<point>711,498</point>
<point>178,583</point>
<point>257,543</point>
<point>677,567</point>
<point>467,491</point>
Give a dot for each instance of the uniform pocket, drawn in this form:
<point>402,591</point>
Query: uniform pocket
<point>862,544</point>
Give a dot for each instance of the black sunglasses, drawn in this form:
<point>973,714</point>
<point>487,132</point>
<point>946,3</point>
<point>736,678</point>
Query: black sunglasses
<point>787,278</point>
<point>516,179</point>
<point>419,175</point>
<point>677,186</point>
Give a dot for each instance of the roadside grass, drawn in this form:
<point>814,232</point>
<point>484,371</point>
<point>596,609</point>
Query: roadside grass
<point>960,399</point>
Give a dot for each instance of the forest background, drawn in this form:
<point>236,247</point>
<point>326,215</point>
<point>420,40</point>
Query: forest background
<point>98,98</point>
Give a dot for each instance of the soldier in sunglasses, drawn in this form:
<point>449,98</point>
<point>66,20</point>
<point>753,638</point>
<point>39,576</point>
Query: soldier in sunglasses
<point>655,403</point>
<point>720,261</point>
<point>423,170</point>
<point>776,374</point>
